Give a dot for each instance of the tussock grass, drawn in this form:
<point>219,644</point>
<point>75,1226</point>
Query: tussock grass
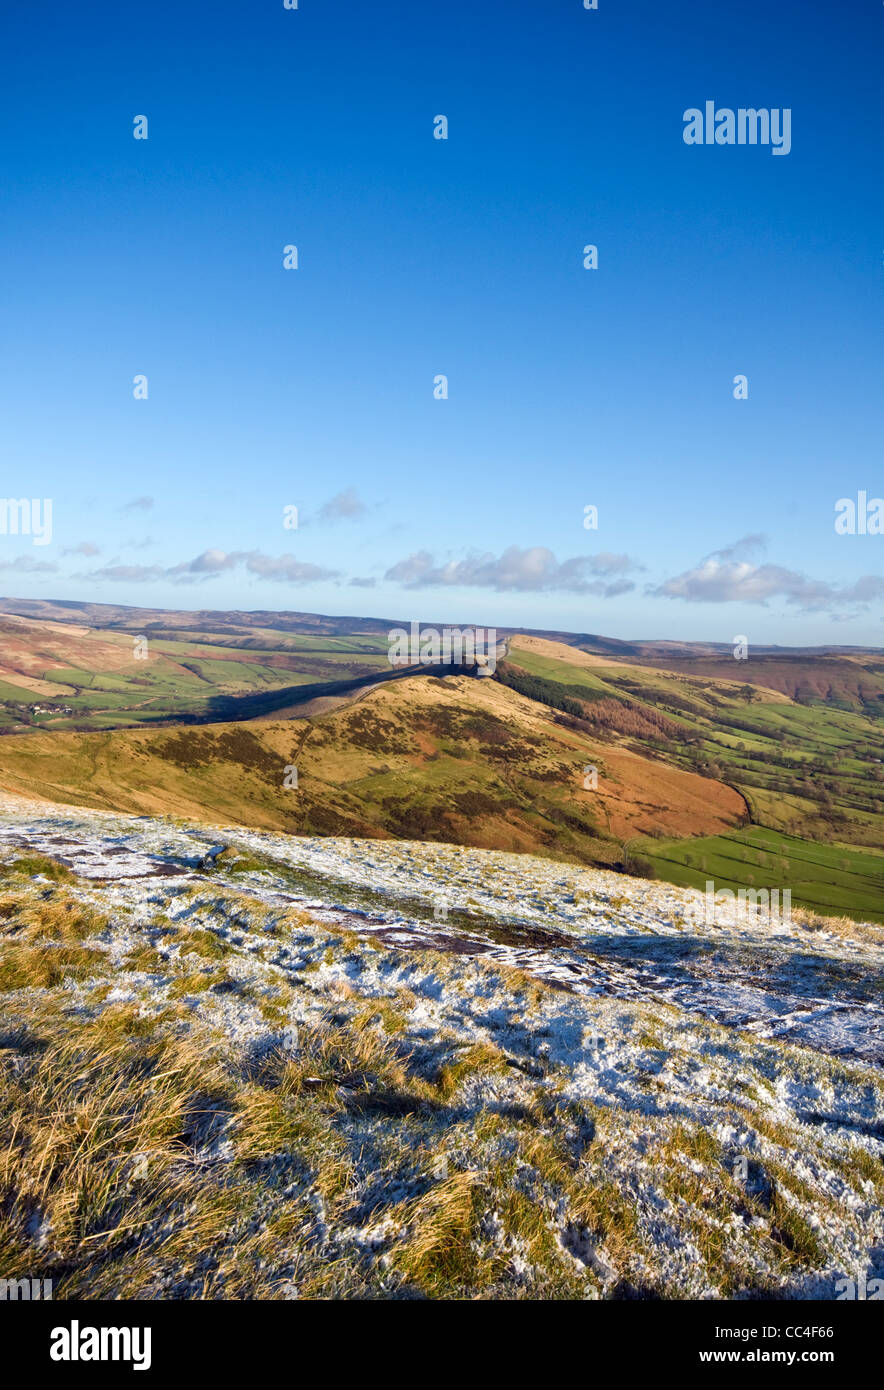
<point>481,1059</point>
<point>606,1211</point>
<point>693,1141</point>
<point>146,958</point>
<point>29,865</point>
<point>859,1167</point>
<point>96,1127</point>
<point>844,927</point>
<point>51,915</point>
<point>800,1242</point>
<point>195,982</point>
<point>437,1253</point>
<point>198,942</point>
<point>390,1014</point>
<point>286,1122</point>
<point>43,967</point>
<point>145,1151</point>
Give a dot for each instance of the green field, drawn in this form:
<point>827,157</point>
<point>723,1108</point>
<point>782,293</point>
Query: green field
<point>830,879</point>
<point>186,679</point>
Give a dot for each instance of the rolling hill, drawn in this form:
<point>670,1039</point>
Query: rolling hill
<point>422,758</point>
<point>654,757</point>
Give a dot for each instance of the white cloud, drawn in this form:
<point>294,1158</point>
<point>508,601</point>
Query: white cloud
<point>125,574</point>
<point>84,548</point>
<point>723,577</point>
<point>532,570</point>
<point>23,564</point>
<point>345,505</point>
<point>283,568</point>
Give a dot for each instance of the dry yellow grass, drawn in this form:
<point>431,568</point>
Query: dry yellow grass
<point>149,1149</point>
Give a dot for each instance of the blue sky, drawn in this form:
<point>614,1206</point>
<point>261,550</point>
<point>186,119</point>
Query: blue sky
<point>417,257</point>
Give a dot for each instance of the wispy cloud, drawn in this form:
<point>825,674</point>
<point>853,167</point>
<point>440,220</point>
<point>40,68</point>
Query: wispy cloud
<point>23,564</point>
<point>84,548</point>
<point>532,570</point>
<point>125,574</point>
<point>139,504</point>
<point>285,569</point>
<point>344,506</point>
<point>743,548</point>
<point>724,577</point>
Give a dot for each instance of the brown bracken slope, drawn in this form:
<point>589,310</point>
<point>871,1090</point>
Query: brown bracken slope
<point>459,760</point>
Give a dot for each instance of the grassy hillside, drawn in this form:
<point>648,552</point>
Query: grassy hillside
<point>456,759</point>
<point>837,681</point>
<point>812,770</point>
<point>66,676</point>
<point>826,878</point>
<point>571,752</point>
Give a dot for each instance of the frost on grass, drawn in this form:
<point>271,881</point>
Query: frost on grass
<point>222,1080</point>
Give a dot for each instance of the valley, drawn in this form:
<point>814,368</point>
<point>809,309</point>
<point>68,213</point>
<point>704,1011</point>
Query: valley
<point>650,758</point>
<point>437,1018</point>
